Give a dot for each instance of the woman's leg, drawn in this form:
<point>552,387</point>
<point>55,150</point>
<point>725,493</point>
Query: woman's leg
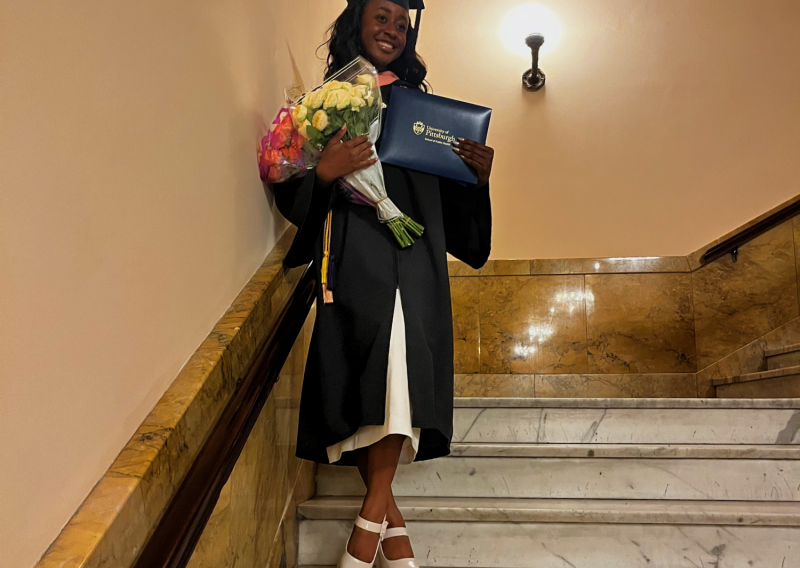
<point>381,462</point>
<point>397,547</point>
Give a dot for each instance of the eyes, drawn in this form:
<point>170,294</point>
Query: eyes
<point>401,27</point>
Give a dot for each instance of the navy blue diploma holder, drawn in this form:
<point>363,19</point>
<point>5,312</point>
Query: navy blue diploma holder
<point>420,129</point>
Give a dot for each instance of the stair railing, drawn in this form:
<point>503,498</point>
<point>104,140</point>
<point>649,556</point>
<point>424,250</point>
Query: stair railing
<point>174,539</point>
<point>732,244</point>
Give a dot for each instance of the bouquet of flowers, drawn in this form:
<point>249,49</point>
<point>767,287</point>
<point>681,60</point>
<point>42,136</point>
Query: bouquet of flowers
<point>303,128</point>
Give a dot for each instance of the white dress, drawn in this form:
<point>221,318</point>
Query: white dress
<point>398,404</point>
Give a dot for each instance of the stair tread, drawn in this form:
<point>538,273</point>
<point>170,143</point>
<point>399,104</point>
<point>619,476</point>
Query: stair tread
<point>644,403</point>
<point>782,350</point>
<point>614,511</point>
<point>760,376</point>
<point>599,451</point>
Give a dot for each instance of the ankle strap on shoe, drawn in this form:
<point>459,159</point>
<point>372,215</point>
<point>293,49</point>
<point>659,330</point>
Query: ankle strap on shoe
<point>397,531</point>
<point>369,526</point>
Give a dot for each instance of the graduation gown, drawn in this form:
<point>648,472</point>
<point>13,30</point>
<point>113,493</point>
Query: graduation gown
<point>344,386</point>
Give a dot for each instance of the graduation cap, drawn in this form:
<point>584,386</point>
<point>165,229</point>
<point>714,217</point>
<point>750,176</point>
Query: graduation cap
<point>418,5</point>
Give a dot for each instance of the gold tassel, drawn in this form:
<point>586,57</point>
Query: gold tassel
<point>327,295</point>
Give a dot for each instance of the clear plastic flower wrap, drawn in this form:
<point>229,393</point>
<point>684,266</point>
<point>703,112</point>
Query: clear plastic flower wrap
<point>302,130</point>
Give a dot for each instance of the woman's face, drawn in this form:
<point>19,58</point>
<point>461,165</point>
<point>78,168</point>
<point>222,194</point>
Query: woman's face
<point>383,32</point>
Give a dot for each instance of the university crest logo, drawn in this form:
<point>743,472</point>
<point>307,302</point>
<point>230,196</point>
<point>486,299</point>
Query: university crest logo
<point>419,128</point>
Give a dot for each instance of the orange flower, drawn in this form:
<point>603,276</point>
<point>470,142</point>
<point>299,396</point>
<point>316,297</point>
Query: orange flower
<point>282,134</point>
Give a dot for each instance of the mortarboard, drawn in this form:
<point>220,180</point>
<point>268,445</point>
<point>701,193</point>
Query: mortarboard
<point>410,4</point>
<point>418,5</point>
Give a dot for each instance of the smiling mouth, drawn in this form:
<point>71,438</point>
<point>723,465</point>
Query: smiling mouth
<point>386,46</point>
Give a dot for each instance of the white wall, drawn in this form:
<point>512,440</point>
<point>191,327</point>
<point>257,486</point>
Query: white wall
<point>131,214</point>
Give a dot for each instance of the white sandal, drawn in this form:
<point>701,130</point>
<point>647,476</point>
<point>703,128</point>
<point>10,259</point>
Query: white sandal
<point>401,563</point>
<point>347,560</point>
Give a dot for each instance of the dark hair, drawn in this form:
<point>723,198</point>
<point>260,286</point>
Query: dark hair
<point>344,44</point>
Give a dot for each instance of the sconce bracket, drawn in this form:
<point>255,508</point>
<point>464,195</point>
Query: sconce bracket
<point>533,81</point>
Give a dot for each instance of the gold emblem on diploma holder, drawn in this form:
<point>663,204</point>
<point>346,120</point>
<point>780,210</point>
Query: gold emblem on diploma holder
<point>419,128</point>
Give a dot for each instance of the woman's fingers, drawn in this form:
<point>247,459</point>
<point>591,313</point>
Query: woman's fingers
<point>360,141</point>
<point>338,136</point>
<point>474,147</point>
<point>470,156</point>
<point>367,163</point>
<point>365,153</point>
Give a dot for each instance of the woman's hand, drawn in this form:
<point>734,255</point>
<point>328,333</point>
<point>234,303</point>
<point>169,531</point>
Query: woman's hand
<point>478,156</point>
<point>342,159</point>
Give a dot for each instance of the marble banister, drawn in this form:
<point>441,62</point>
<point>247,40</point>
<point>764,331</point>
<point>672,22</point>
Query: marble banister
<point>115,521</point>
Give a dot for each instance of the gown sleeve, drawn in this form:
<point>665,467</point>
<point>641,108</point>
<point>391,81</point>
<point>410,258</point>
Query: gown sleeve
<point>305,204</point>
<point>467,216</point>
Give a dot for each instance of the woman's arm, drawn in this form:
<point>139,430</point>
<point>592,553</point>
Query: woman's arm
<point>305,202</point>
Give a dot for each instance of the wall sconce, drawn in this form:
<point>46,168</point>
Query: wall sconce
<point>533,79</point>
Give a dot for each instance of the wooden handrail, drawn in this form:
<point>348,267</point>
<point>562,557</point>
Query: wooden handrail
<point>174,539</point>
<point>731,245</point>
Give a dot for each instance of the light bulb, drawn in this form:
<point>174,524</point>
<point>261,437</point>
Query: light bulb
<point>531,19</point>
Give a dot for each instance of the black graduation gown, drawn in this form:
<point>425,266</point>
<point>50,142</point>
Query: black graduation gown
<point>344,386</point>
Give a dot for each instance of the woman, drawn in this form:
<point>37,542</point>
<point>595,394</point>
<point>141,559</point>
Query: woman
<point>378,388</point>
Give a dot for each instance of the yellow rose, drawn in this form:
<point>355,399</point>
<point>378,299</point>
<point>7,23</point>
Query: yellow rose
<point>299,114</point>
<point>357,103</point>
<point>331,100</point>
<point>320,121</point>
<point>316,99</point>
<point>370,100</point>
<point>303,130</point>
<point>361,91</point>
<point>365,80</point>
<point>343,99</point>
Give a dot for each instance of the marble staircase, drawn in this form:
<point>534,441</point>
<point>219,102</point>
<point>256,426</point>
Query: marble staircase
<point>591,483</point>
<point>780,380</point>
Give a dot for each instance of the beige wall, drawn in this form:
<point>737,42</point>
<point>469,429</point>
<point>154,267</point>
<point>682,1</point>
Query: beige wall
<point>131,214</point>
<point>664,123</point>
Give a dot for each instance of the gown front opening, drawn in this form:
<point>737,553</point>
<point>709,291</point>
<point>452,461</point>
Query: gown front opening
<point>398,403</point>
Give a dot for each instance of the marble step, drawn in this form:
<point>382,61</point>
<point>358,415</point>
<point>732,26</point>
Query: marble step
<point>518,533</point>
<point>782,357</point>
<point>674,403</point>
<point>782,382</point>
<point>699,451</point>
<point>542,421</point>
<point>474,509</point>
<point>567,471</point>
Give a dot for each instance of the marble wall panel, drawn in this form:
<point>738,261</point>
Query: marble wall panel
<point>796,239</point>
<point>736,303</point>
<point>628,265</point>
<point>491,268</point>
<point>654,385</point>
<point>503,386</point>
<point>465,298</point>
<point>557,266</point>
<point>640,323</point>
<point>532,324</point>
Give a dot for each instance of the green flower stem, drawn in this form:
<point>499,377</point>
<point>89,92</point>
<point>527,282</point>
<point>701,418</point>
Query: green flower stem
<point>399,231</point>
<point>413,226</point>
